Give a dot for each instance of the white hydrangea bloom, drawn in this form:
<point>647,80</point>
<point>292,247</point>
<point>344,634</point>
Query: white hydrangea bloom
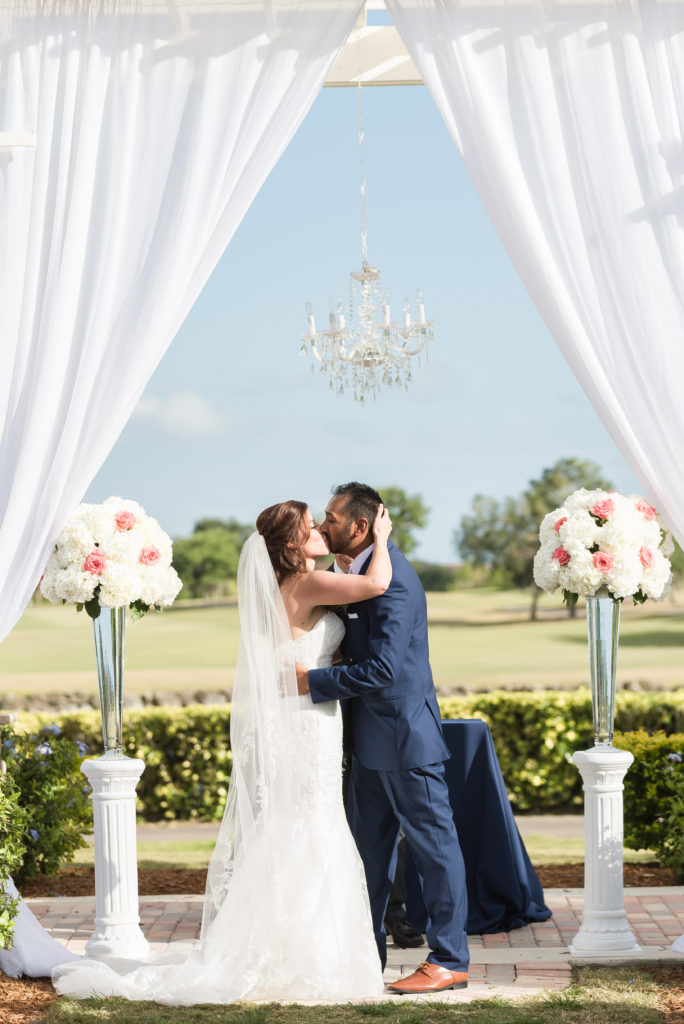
<point>159,585</point>
<point>583,499</point>
<point>125,547</point>
<point>546,568</point>
<point>71,585</point>
<point>547,530</point>
<point>580,528</point>
<point>120,584</point>
<point>625,576</point>
<point>657,579</point>
<point>580,575</point>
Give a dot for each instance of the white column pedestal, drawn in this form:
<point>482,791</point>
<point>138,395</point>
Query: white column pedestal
<point>113,779</point>
<point>604,930</point>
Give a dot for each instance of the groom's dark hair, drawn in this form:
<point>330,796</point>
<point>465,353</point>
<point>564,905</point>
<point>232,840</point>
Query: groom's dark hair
<point>362,501</point>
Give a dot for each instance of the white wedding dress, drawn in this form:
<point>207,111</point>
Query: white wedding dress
<point>34,952</point>
<point>290,919</point>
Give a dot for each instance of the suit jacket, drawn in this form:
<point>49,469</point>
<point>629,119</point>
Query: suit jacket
<point>386,678</point>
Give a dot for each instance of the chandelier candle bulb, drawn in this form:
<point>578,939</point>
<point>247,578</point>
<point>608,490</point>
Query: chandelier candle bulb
<point>421,308</point>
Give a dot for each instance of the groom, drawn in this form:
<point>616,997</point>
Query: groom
<point>397,777</point>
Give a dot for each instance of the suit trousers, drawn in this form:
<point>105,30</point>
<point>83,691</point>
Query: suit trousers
<point>416,800</point>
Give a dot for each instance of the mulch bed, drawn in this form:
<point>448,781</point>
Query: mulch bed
<point>151,882</point>
<point>571,876</point>
<point>23,1000</point>
<point>181,881</point>
<point>671,1000</point>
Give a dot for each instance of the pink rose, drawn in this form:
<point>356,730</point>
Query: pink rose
<point>124,520</point>
<point>559,523</point>
<point>646,556</point>
<point>602,561</point>
<point>150,556</point>
<point>562,555</point>
<point>96,562</point>
<point>646,510</point>
<point>602,509</point>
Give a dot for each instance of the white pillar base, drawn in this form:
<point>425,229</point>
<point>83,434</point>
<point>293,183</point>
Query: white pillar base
<point>113,779</point>
<point>604,930</point>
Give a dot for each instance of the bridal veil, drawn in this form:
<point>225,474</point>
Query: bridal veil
<point>249,899</point>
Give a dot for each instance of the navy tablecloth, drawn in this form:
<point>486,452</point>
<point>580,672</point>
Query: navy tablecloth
<point>503,889</point>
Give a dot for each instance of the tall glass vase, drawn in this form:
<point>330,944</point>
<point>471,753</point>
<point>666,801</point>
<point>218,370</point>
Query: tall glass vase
<point>603,626</point>
<point>110,635</point>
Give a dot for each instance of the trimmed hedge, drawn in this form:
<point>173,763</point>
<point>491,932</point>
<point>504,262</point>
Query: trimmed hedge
<point>186,751</point>
<point>188,759</point>
<point>654,796</point>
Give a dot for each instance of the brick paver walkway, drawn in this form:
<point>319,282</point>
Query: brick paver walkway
<point>509,964</point>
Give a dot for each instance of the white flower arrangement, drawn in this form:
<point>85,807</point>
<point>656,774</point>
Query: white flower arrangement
<point>602,540</point>
<point>109,556</point>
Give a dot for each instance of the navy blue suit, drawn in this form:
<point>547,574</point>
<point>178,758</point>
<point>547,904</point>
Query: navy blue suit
<point>397,775</point>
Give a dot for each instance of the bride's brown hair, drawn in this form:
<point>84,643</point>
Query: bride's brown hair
<point>281,525</point>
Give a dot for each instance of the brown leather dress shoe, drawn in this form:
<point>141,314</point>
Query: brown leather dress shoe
<point>430,978</point>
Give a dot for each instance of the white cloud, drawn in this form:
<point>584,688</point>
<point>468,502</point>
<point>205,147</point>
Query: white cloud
<point>182,414</point>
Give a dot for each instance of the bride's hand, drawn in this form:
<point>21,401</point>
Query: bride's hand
<point>382,527</point>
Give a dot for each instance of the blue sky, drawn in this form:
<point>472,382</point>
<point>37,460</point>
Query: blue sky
<point>232,420</point>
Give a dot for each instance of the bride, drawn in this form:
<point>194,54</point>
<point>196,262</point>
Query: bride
<point>286,912</point>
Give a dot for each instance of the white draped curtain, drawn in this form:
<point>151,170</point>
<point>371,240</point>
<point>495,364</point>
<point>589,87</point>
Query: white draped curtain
<point>155,126</point>
<point>568,116</point>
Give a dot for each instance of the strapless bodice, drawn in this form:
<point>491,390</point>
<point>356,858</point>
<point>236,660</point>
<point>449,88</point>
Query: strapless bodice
<point>315,649</point>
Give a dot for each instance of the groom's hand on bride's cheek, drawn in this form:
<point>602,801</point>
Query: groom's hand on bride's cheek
<point>302,679</point>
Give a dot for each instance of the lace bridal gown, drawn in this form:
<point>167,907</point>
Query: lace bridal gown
<point>286,913</point>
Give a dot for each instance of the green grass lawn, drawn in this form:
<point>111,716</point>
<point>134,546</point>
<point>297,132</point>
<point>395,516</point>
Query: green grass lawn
<point>625,995</point>
<point>479,639</point>
<point>164,851</point>
<point>162,855</point>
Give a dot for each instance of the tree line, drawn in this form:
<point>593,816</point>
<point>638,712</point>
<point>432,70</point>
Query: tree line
<point>496,540</point>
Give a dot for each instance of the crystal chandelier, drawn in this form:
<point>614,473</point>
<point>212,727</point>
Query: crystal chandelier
<point>361,351</point>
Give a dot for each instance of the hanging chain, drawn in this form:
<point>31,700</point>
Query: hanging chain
<point>362,173</point>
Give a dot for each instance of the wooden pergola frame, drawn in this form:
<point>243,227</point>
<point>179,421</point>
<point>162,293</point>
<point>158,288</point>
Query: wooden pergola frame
<point>373,55</point>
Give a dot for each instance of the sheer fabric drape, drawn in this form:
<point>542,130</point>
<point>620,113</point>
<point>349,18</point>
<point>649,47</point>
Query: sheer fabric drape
<point>156,125</point>
<point>568,116</point>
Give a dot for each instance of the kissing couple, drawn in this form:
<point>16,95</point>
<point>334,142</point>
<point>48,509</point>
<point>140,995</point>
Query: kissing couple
<point>298,886</point>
